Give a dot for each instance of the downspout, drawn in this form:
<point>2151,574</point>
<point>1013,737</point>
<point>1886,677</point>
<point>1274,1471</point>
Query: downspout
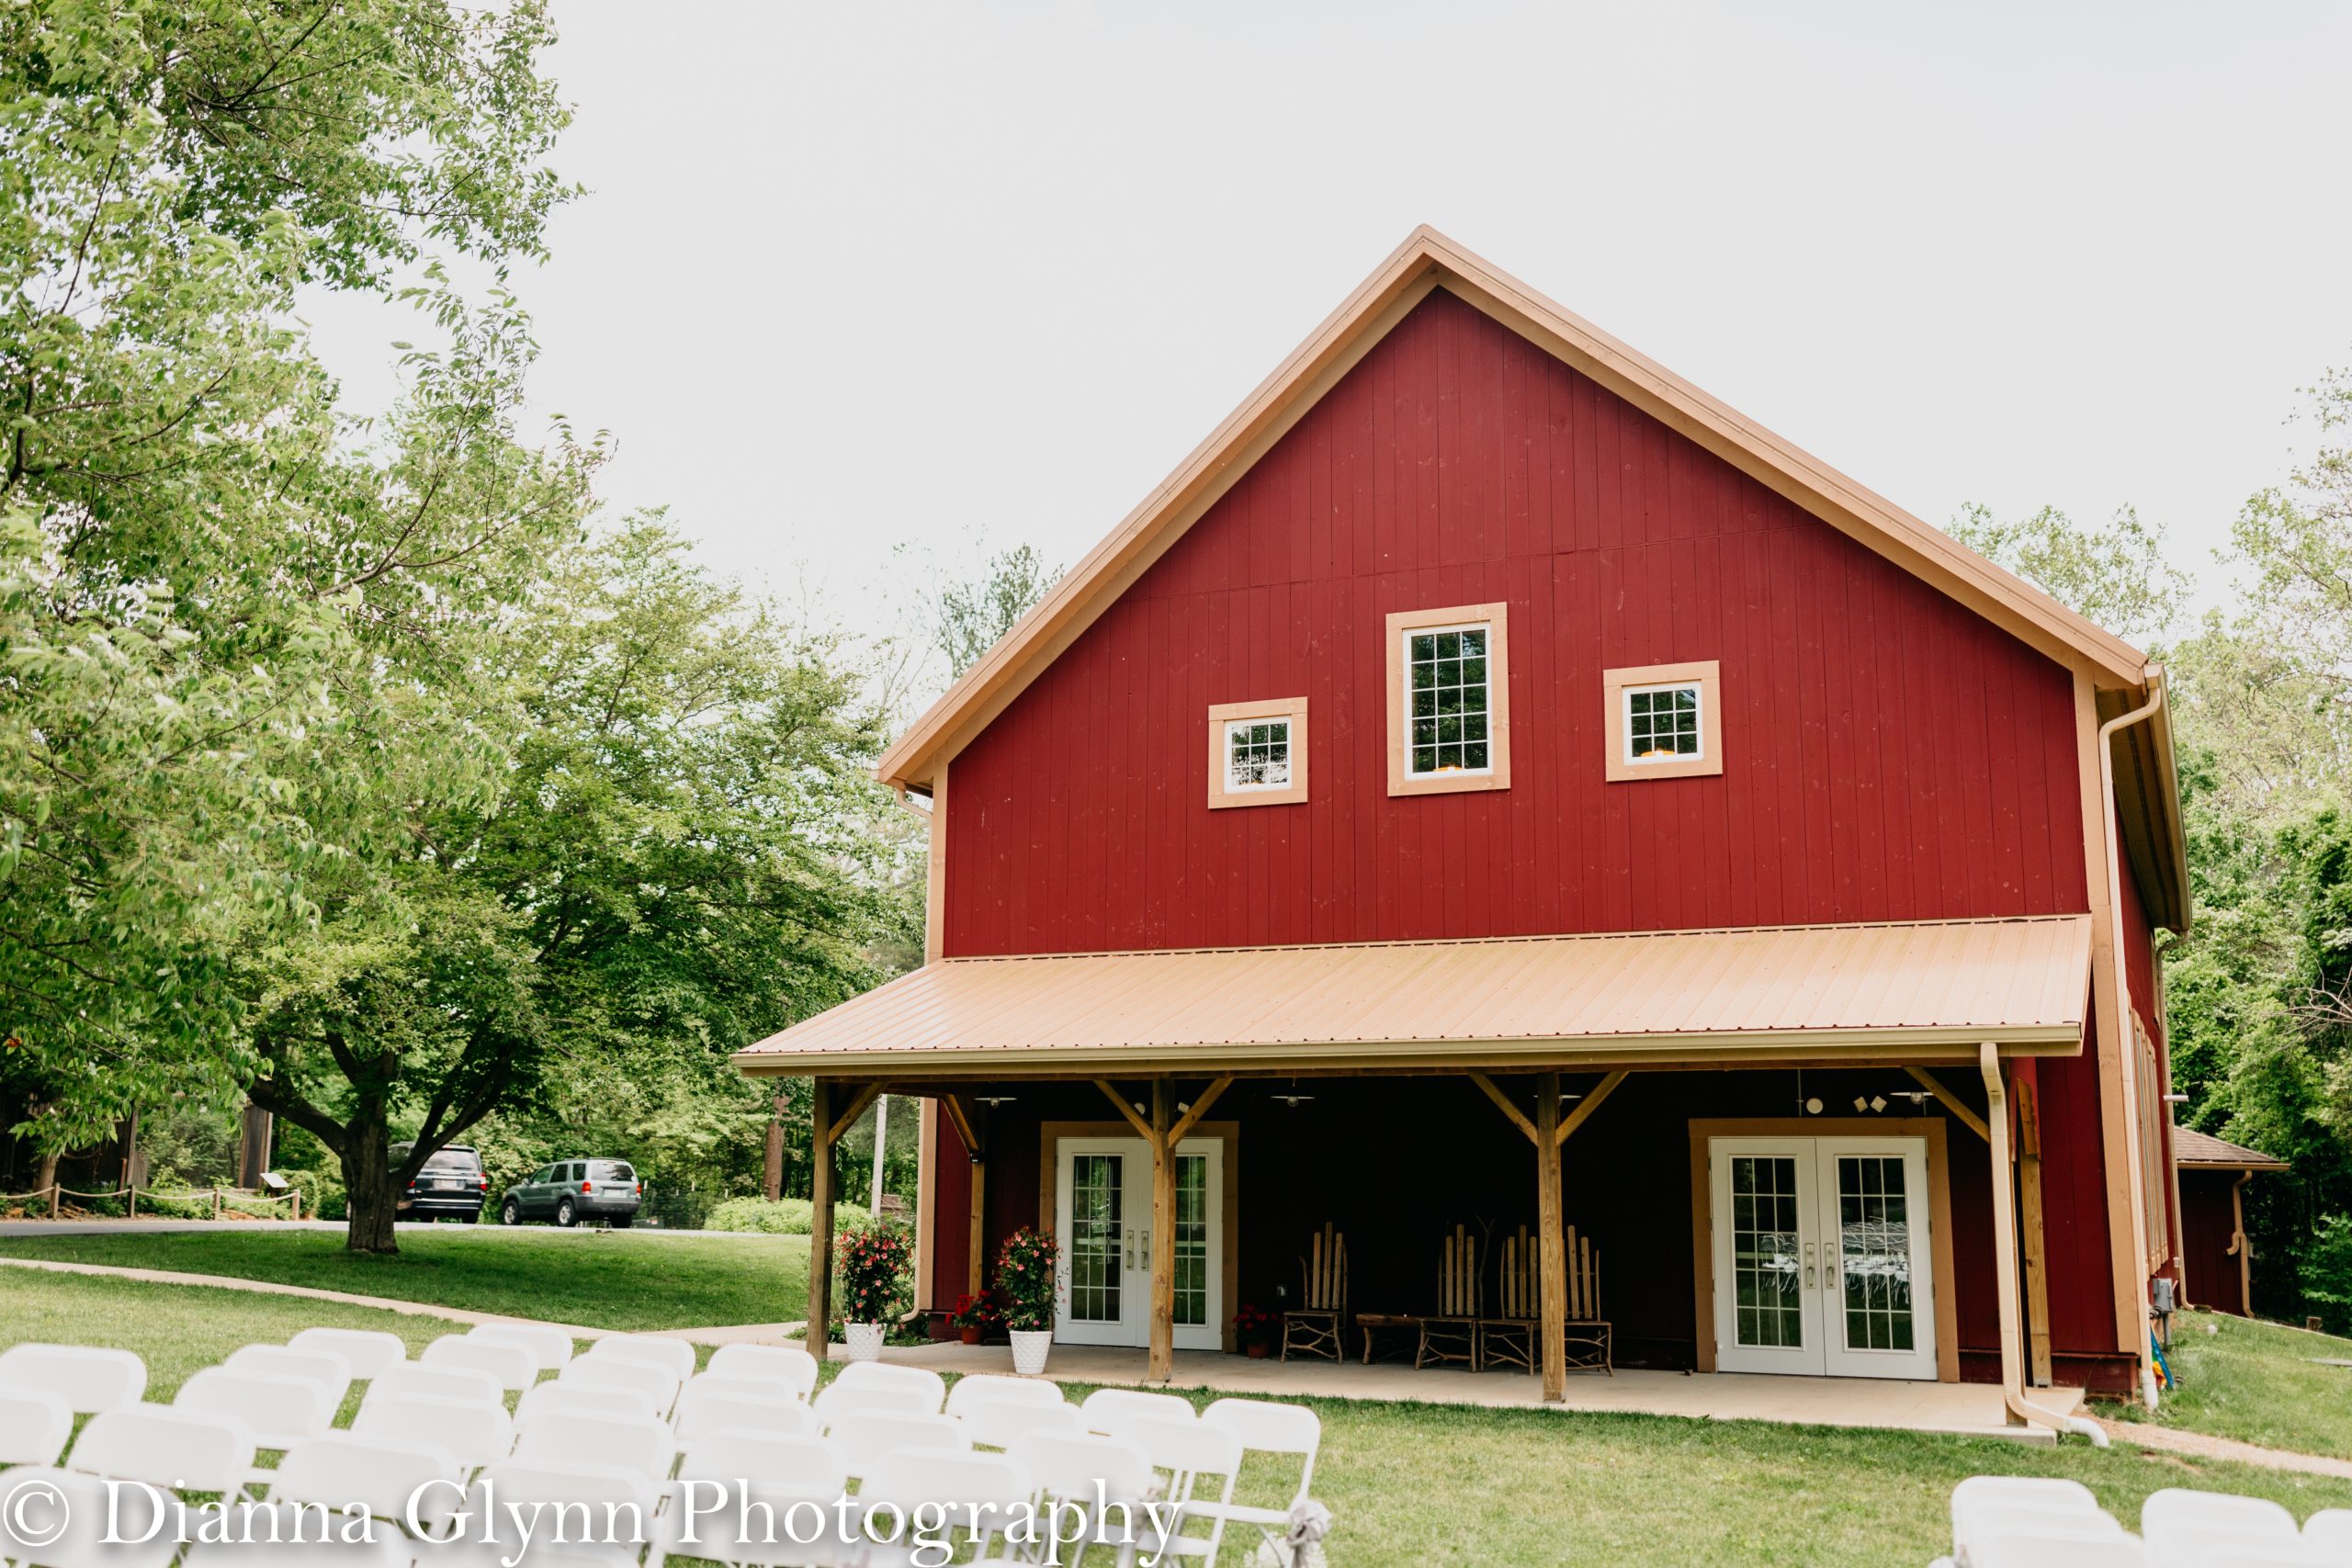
<point>2004,1264</point>
<point>2127,1045</point>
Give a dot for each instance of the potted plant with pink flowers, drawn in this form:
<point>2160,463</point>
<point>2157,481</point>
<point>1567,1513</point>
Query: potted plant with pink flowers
<point>873,1265</point>
<point>1025,1269</point>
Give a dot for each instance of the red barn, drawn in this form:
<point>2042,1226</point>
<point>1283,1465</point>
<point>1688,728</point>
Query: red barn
<point>1493,790</point>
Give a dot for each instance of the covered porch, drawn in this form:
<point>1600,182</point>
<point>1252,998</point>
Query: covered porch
<point>1696,1110</point>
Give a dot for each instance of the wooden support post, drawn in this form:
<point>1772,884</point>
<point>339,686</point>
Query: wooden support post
<point>821,1216</point>
<point>2026,1091</point>
<point>1548,1224</point>
<point>1950,1102</point>
<point>1162,1365</point>
<point>960,1117</point>
<point>1576,1118</point>
<point>2005,1233</point>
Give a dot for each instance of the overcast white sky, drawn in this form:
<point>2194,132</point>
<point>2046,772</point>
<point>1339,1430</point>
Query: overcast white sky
<point>851,276</point>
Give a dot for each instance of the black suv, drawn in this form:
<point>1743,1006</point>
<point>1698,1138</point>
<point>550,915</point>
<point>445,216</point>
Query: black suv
<point>572,1190</point>
<point>451,1186</point>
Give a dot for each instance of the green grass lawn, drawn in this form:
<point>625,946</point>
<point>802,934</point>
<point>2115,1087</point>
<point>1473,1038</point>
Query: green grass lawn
<point>2260,1382</point>
<point>1411,1484</point>
<point>595,1279</point>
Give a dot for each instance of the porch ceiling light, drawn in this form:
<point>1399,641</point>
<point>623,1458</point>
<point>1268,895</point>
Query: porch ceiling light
<point>993,1100</point>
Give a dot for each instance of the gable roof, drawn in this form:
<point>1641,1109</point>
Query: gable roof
<point>2194,1150</point>
<point>1429,260</point>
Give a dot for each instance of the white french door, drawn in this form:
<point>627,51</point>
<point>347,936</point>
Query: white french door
<point>1102,1210</point>
<point>1821,1253</point>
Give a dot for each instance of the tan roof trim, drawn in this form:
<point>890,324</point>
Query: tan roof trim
<point>1427,260</point>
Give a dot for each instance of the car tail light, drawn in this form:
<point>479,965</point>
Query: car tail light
<point>640,1189</point>
<point>485,1183</point>
<point>587,1186</point>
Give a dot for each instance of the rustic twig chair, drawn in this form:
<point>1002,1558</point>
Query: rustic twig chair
<point>1450,1334</point>
<point>1510,1338</point>
<point>1316,1325</point>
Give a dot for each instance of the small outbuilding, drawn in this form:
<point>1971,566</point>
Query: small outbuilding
<point>2217,1262</point>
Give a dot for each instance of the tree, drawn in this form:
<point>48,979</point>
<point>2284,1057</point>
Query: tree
<point>679,856</point>
<point>2116,576</point>
<point>970,618</point>
<point>200,562</point>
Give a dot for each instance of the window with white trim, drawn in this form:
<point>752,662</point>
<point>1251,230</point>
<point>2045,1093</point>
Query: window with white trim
<point>1662,721</point>
<point>1448,700</point>
<point>1258,753</point>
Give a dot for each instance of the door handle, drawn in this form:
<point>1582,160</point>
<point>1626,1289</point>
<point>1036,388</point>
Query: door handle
<point>1808,1266</point>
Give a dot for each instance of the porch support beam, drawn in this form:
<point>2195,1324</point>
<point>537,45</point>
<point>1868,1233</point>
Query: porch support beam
<point>2005,1235</point>
<point>1551,1253</point>
<point>1201,1103</point>
<point>959,1116</point>
<point>855,1109</point>
<point>1502,1102</point>
<point>1162,1365</point>
<point>1143,1128</point>
<point>1583,1112</point>
<point>1951,1102</point>
<point>821,1216</point>
<point>2027,1090</point>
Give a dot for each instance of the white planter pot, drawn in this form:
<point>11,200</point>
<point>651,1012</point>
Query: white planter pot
<point>1029,1348</point>
<point>865,1340</point>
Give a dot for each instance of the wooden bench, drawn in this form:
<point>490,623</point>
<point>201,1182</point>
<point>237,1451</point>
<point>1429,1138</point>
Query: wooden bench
<point>1514,1337</point>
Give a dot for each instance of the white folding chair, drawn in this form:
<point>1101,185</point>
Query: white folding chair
<point>512,1367</point>
<point>550,1346</point>
<point>862,1439</point>
<point>1191,1452</point>
<point>1083,1469</point>
<point>163,1445</point>
<point>981,1494</point>
<point>1106,1409</point>
<point>890,1374</point>
<point>783,1363</point>
<point>343,1470</point>
<point>2115,1550</point>
<point>1266,1427</point>
<point>87,1379</point>
<point>461,1384</point>
<point>1985,1506</point>
<point>2331,1528</point>
<point>293,1535</point>
<point>630,1496</point>
<point>38,1494</point>
<point>565,1398</point>
<point>655,1383</point>
<point>712,1405</point>
<point>998,1423</point>
<point>803,1467</point>
<point>475,1434</point>
<point>675,1357</point>
<point>2223,1551</point>
<point>2178,1508</point>
<point>367,1351</point>
<point>716,1512</point>
<point>838,1401</point>
<point>325,1367</point>
<point>34,1424</point>
<point>640,1445</point>
<point>967,1392</point>
<point>279,1411</point>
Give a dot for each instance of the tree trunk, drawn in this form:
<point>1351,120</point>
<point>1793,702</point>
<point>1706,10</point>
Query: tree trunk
<point>48,1178</point>
<point>773,1183</point>
<point>367,1185</point>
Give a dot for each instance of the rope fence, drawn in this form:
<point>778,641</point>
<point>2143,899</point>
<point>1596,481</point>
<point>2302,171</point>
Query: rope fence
<point>234,1198</point>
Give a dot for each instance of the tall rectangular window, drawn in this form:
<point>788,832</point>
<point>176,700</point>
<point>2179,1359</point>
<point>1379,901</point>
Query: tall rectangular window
<point>1448,700</point>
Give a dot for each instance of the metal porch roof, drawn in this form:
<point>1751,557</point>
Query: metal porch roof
<point>1923,990</point>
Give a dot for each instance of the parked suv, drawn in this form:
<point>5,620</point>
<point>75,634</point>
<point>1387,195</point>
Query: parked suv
<point>575,1189</point>
<point>450,1186</point>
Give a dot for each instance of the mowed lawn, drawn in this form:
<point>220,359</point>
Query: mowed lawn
<point>2260,1382</point>
<point>626,1280</point>
<point>1411,1484</point>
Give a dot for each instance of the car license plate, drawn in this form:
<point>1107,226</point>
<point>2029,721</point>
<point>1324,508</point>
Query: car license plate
<point>447,1186</point>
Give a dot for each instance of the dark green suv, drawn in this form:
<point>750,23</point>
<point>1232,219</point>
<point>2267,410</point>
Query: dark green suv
<point>575,1189</point>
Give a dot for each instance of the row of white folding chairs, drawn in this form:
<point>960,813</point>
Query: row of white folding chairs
<point>2033,1522</point>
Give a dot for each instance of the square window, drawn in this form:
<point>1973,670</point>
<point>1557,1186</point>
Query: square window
<point>1662,721</point>
<point>1258,753</point>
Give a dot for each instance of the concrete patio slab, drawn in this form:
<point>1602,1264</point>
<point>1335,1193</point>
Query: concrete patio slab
<point>1967,1409</point>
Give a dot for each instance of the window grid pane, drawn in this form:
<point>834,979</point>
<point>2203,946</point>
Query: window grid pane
<point>1764,1251</point>
<point>1874,1252</point>
<point>1192,1239</point>
<point>1256,753</point>
<point>1096,1237</point>
<point>1446,700</point>
<point>1662,724</point>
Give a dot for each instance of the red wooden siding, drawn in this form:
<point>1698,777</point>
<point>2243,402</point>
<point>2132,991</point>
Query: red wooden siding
<point>1888,754</point>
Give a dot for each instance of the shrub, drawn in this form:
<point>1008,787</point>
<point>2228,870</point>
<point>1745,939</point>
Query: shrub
<point>2327,1272</point>
<point>874,1268</point>
<point>1025,1278</point>
<point>322,1195</point>
<point>786,1216</point>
